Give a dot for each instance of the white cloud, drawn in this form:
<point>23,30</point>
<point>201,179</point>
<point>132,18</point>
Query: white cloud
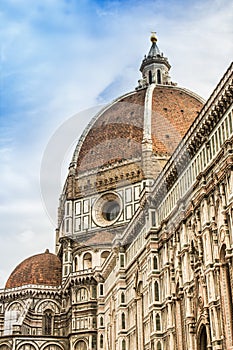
<point>26,236</point>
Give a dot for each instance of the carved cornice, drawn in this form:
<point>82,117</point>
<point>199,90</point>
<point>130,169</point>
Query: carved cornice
<point>79,278</point>
<point>29,291</point>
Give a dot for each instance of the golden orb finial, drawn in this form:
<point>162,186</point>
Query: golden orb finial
<point>153,37</point>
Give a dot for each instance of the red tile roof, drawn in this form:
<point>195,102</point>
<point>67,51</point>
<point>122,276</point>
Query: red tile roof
<point>118,132</point>
<point>40,269</point>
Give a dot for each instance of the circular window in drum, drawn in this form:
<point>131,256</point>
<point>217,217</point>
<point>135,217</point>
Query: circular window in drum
<point>107,209</point>
<point>111,210</point>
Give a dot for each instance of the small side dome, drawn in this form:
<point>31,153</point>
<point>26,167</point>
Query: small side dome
<point>41,269</point>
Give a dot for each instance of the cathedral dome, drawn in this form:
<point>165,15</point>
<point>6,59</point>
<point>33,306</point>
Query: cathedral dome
<point>41,269</point>
<point>117,133</point>
<point>154,117</point>
<point>125,147</point>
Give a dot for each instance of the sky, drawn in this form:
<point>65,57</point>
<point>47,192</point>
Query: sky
<point>63,59</point>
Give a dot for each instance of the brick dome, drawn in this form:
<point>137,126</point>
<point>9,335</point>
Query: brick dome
<point>116,133</point>
<point>41,269</point>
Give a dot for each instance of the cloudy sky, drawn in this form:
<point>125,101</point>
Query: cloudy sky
<point>59,58</point>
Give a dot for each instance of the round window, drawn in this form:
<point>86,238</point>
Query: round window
<point>110,210</point>
<point>107,209</point>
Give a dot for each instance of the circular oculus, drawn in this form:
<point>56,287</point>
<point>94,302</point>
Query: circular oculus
<point>107,209</point>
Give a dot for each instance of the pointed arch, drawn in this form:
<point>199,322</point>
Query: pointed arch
<point>12,314</point>
<point>101,321</point>
<point>101,341</point>
<point>158,322</point>
<point>48,318</point>
<point>156,291</point>
<point>202,339</point>
<point>15,306</point>
<point>155,262</point>
<point>45,304</point>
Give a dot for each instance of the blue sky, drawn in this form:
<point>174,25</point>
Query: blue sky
<point>60,57</point>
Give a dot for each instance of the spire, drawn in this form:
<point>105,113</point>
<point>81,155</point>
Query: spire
<point>155,67</point>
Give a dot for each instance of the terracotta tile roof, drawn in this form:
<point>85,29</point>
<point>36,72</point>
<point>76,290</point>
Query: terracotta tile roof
<point>117,133</point>
<point>40,269</point>
<point>174,110</point>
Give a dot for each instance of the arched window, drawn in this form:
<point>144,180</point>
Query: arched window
<point>155,263</point>
<point>159,346</point>
<point>156,291</point>
<point>48,322</point>
<point>4,347</point>
<point>15,306</point>
<point>123,320</point>
<point>101,321</point>
<point>27,347</point>
<point>123,345</point>
<point>52,347</point>
<point>203,339</point>
<point>158,76</point>
<point>87,261</point>
<point>104,256</point>
<point>81,345</point>
<point>150,77</point>
<point>158,322</point>
<point>82,295</point>
<point>122,298</point>
<point>12,314</point>
<point>101,341</point>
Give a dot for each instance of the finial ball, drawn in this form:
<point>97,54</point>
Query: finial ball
<point>153,37</point>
